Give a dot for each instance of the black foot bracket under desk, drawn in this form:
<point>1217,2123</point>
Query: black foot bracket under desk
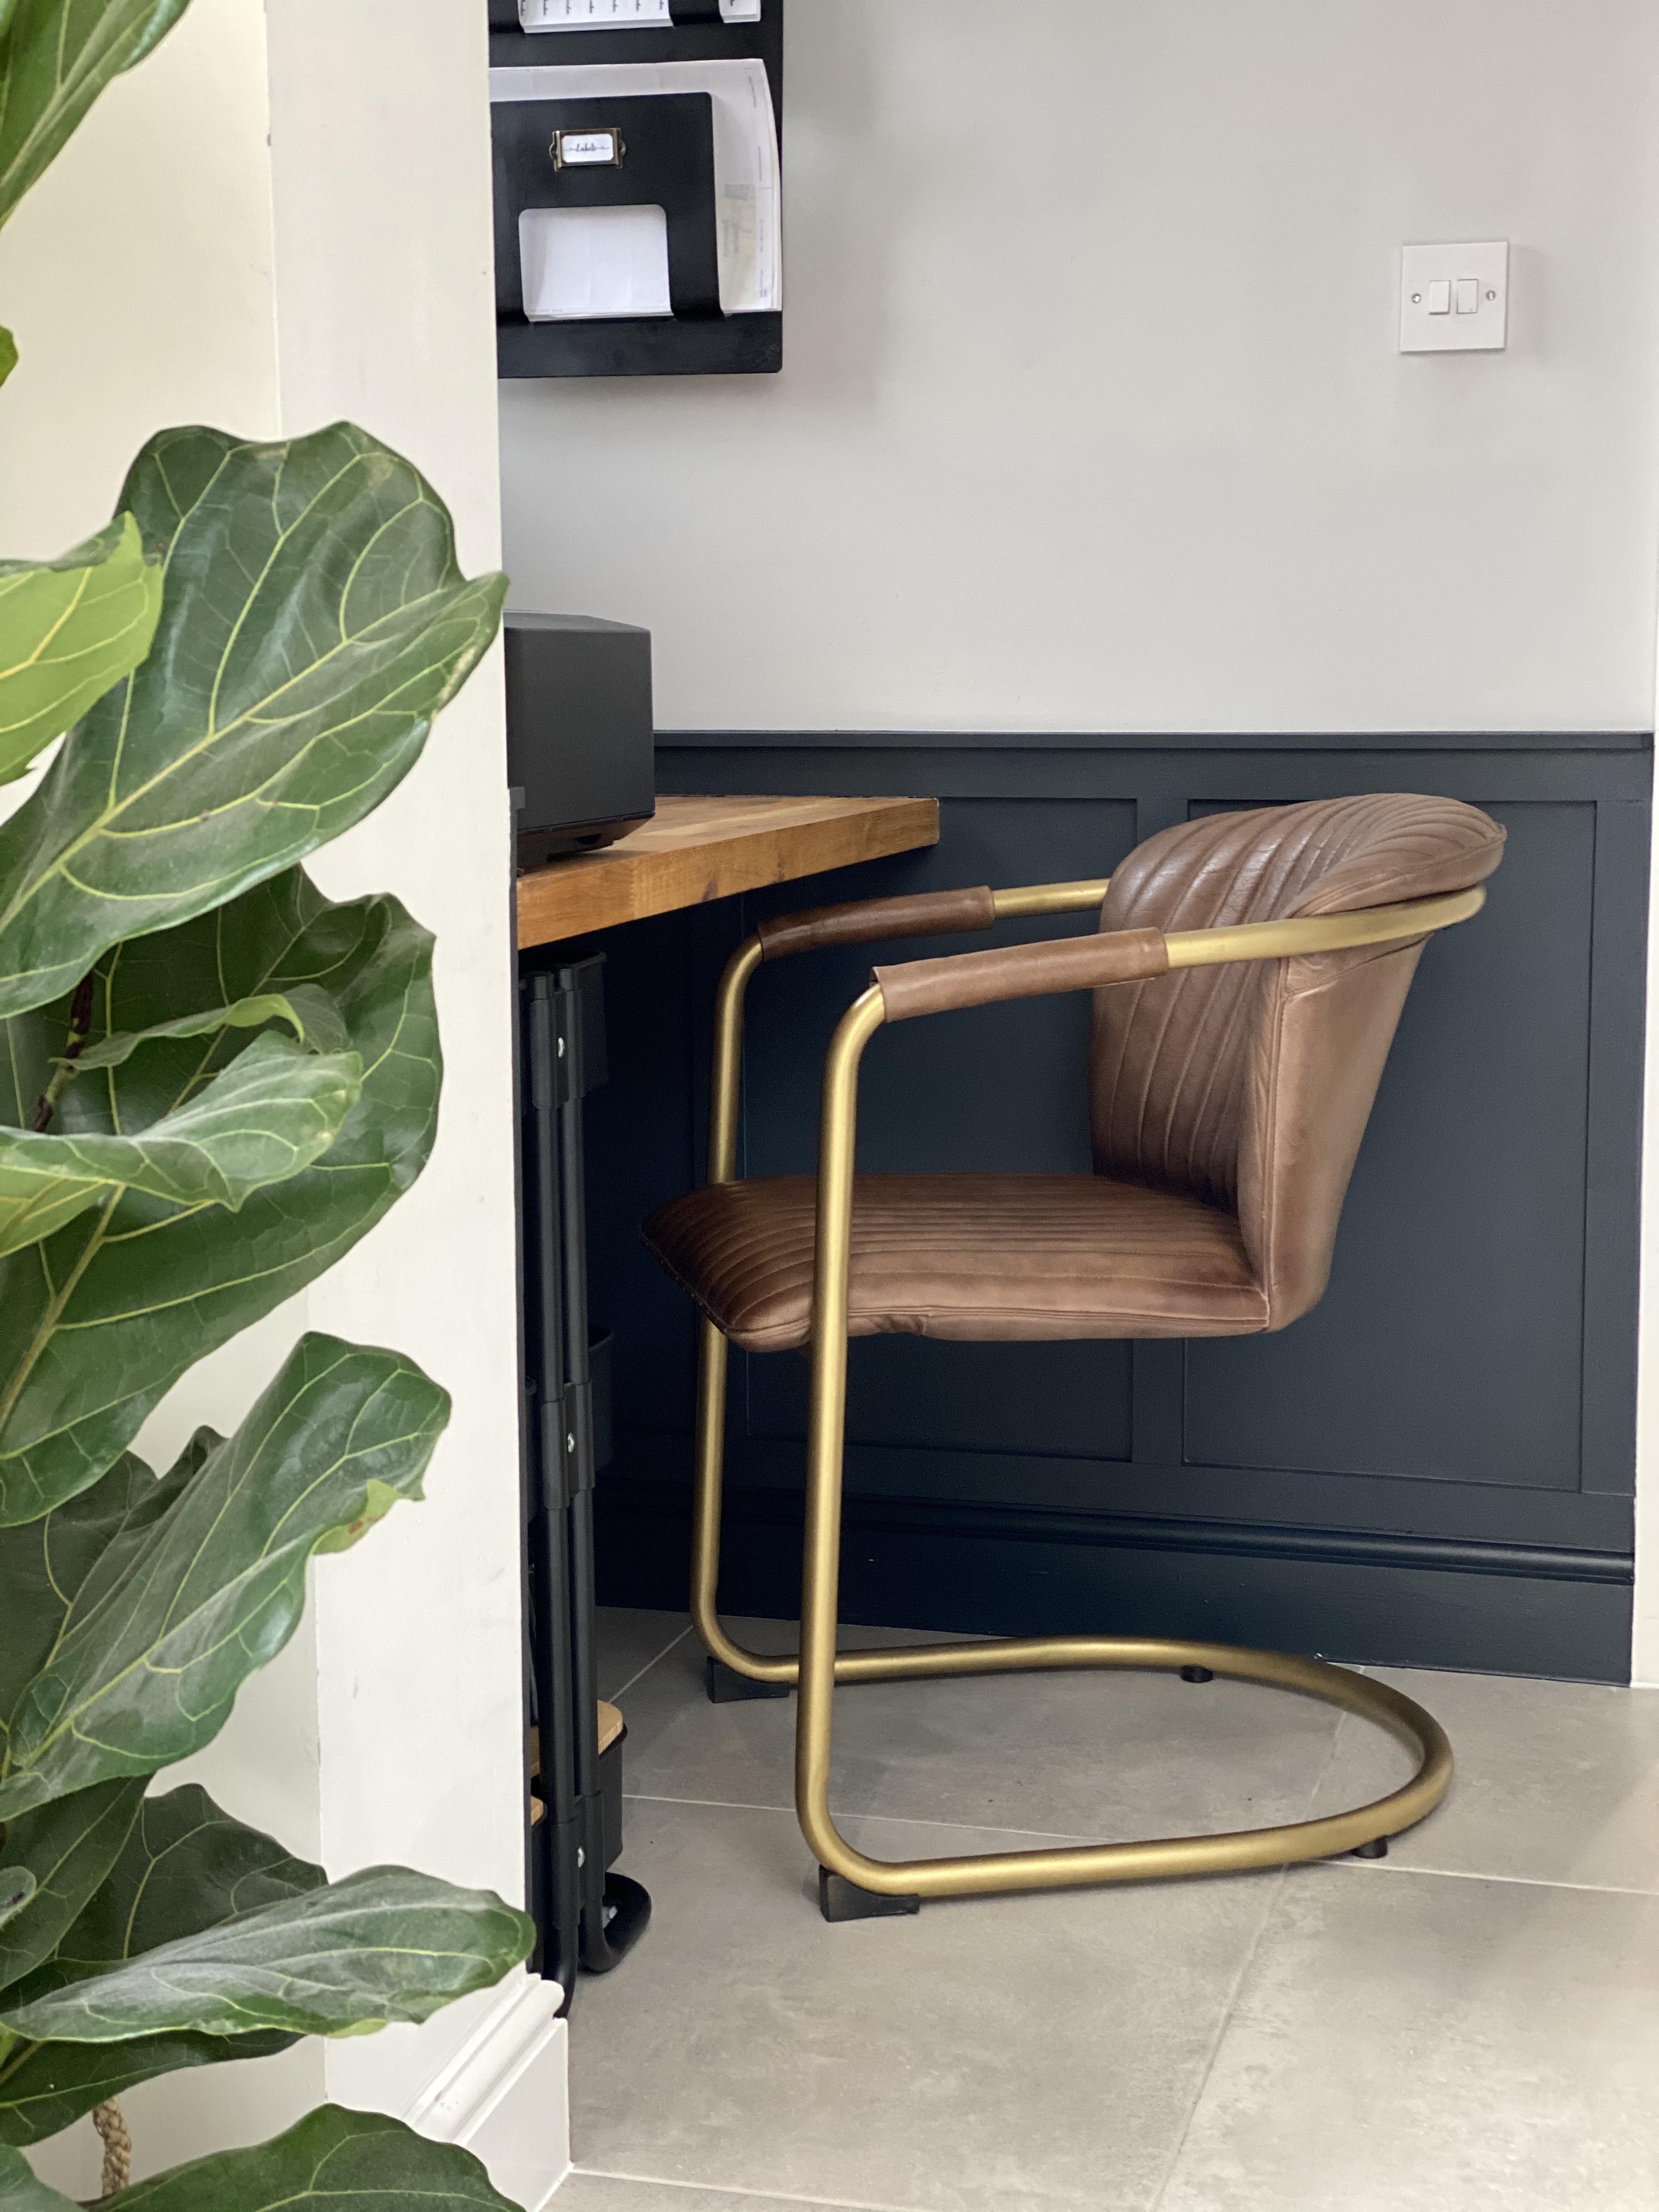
<point>586,1915</point>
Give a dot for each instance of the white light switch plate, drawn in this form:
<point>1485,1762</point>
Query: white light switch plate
<point>1437,286</point>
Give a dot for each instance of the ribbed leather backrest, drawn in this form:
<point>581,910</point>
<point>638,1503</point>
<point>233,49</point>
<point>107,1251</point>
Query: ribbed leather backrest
<point>1249,1085</point>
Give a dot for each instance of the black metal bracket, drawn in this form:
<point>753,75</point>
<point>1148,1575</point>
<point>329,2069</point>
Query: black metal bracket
<point>567,1443</point>
<point>586,1916</point>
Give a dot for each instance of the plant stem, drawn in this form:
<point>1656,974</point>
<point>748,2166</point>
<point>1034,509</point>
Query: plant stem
<point>117,2145</point>
<point>80,1030</point>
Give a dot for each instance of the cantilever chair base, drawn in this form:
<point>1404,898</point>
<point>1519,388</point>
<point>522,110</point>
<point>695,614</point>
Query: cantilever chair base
<point>853,1887</point>
<point>852,1884</point>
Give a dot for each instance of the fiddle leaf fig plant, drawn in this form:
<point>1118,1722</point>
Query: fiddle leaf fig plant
<point>72,627</point>
<point>57,56</point>
<point>315,623</point>
<point>333,2159</point>
<point>95,1324</point>
<point>214,1081</point>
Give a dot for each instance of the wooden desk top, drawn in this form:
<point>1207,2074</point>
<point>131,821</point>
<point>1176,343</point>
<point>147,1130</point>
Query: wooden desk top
<point>708,848</point>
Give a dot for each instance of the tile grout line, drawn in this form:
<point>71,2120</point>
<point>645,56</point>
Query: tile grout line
<point>1345,1863</point>
<point>727,2189</point>
<point>1348,1864</point>
<point>850,1813</point>
<point>1227,2010</point>
<point>673,1646</point>
<point>821,2203</point>
<point>1155,2204</point>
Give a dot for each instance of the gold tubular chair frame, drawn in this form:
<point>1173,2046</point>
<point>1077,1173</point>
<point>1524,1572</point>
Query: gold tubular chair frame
<point>818,1667</point>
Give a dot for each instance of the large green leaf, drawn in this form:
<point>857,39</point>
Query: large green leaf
<point>45,2086</point>
<point>334,2160</point>
<point>151,1652</point>
<point>313,621</point>
<point>203,1915</point>
<point>8,354</point>
<point>49,1565</point>
<point>185,1868</point>
<point>69,629</point>
<point>20,2192</point>
<point>97,1323</point>
<point>66,1851</point>
<point>310,1013</point>
<point>275,1109</point>
<point>382,1946</point>
<point>57,56</point>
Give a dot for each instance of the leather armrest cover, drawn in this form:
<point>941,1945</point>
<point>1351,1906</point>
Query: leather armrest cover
<point>865,921</point>
<point>1020,971</point>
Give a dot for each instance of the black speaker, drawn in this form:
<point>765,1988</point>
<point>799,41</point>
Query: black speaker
<point>580,743</point>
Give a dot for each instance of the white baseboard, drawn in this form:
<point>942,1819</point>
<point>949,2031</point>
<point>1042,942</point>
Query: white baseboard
<point>505,2097</point>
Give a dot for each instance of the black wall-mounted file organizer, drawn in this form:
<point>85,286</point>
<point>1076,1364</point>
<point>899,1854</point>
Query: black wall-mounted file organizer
<point>669,161</point>
<point>669,143</point>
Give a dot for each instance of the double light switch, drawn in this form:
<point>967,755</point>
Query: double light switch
<point>1454,299</point>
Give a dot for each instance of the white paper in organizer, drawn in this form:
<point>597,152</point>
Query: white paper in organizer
<point>747,176</point>
<point>580,263</point>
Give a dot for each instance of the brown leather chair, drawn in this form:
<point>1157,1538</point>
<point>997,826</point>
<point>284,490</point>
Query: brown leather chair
<point>1247,975</point>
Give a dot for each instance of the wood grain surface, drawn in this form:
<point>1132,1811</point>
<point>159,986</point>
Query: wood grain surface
<point>709,848</point>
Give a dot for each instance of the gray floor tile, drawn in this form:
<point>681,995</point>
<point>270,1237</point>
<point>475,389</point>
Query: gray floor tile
<point>1555,1781</point>
<point>1423,2044</point>
<point>592,2192</point>
<point>1090,1756</point>
<point>1031,2054</point>
<point>627,1639</point>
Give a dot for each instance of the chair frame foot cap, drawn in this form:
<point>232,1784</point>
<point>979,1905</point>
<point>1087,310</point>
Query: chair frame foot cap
<point>840,1900</point>
<point>728,1687</point>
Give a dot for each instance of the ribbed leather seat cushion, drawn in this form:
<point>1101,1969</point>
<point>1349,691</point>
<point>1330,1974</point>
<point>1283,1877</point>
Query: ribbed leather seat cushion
<point>987,1258</point>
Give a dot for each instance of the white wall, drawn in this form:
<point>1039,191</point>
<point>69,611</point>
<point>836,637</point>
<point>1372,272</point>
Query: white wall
<point>136,278</point>
<point>282,218</point>
<point>1110,432</point>
<point>380,163</point>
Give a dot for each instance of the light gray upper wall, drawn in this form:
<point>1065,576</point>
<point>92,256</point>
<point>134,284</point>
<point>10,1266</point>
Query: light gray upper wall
<point>1091,416</point>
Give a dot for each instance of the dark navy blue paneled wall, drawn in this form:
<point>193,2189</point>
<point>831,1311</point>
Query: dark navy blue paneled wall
<point>1435,1466</point>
